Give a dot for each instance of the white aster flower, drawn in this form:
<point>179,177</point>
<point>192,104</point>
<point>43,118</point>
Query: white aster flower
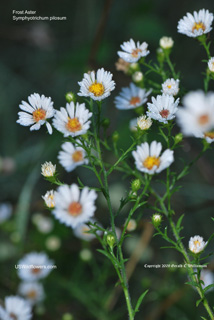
<point>162,108</point>
<point>34,266</point>
<point>197,24</point>
<point>97,87</point>
<point>148,158</point>
<point>36,112</point>
<point>166,42</point>
<point>197,244</point>
<point>171,87</point>
<point>49,198</point>
<point>133,52</point>
<point>33,292</point>
<point>131,97</point>
<point>72,156</point>
<point>5,211</point>
<point>73,207</point>
<point>72,120</point>
<point>48,169</point>
<point>16,308</point>
<point>133,125</point>
<point>211,64</point>
<point>144,123</point>
<point>196,118</point>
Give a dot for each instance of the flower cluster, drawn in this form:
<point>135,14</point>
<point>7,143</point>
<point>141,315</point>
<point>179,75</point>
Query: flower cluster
<point>85,136</point>
<point>31,268</point>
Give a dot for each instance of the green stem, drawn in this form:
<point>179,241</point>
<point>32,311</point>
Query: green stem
<point>184,253</point>
<point>118,265</point>
<point>171,66</point>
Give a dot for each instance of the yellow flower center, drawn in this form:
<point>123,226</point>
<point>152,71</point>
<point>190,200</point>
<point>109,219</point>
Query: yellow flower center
<point>150,162</point>
<point>164,113</point>
<point>209,135</point>
<point>77,156</point>
<point>203,119</point>
<point>73,125</point>
<point>75,209</point>
<point>196,242</point>
<point>31,294</point>
<point>39,114</point>
<point>198,26</point>
<point>135,52</point>
<point>97,89</point>
<point>169,86</point>
<point>134,101</point>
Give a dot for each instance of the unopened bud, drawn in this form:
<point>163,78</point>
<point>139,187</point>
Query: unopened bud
<point>110,239</point>
<point>115,136</point>
<point>136,184</point>
<point>156,220</point>
<point>70,96</point>
<point>178,138</point>
<point>48,169</point>
<point>166,42</point>
<point>137,76</point>
<point>160,55</point>
<point>134,67</point>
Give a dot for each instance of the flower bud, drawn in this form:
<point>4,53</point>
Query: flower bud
<point>156,220</point>
<point>166,42</point>
<point>48,169</point>
<point>115,136</point>
<point>134,67</point>
<point>211,64</point>
<point>160,55</point>
<point>70,96</point>
<point>137,76</point>
<point>178,138</point>
<point>144,123</point>
<point>110,239</point>
<point>136,185</point>
<point>49,199</point>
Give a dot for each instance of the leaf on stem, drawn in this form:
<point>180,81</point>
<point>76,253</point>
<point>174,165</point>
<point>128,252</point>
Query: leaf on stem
<point>139,301</point>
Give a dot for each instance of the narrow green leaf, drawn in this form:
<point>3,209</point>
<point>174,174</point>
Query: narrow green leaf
<point>192,283</point>
<point>104,253</point>
<point>178,224</point>
<point>139,301</point>
<point>203,318</point>
<point>208,287</point>
<point>198,302</point>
